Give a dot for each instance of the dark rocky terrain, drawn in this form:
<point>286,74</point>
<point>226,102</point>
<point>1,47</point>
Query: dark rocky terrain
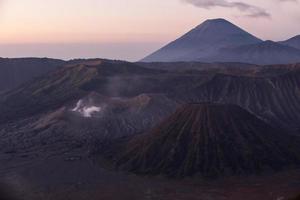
<point>14,72</point>
<point>52,127</point>
<point>209,140</point>
<point>296,198</point>
<point>259,90</point>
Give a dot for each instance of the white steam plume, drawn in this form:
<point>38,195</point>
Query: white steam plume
<point>84,110</point>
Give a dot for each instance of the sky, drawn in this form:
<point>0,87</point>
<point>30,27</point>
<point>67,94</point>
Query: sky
<point>129,29</point>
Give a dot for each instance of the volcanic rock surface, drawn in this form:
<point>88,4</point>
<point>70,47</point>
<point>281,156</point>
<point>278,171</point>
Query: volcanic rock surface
<point>209,140</point>
<point>263,90</point>
<point>52,127</point>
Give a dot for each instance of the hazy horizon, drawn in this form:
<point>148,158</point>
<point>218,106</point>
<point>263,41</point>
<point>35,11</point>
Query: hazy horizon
<point>119,51</point>
<point>129,30</point>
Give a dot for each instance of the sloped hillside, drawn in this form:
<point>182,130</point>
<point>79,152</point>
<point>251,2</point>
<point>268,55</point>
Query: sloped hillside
<point>209,140</point>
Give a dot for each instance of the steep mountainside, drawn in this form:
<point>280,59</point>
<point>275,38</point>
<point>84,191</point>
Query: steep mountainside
<point>67,84</point>
<point>220,41</point>
<point>293,42</point>
<point>263,91</point>
<point>16,71</point>
<point>209,140</point>
<point>202,42</point>
<point>275,99</point>
<point>263,53</point>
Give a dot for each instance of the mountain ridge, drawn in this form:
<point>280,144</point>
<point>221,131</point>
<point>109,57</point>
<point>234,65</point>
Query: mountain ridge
<point>218,40</point>
<point>292,42</point>
<point>16,71</point>
<point>202,40</point>
<point>263,53</point>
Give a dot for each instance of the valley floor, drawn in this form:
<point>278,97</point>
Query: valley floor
<point>72,175</point>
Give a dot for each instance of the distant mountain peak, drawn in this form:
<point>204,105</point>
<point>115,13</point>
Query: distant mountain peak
<point>219,40</point>
<point>293,42</point>
<point>203,41</point>
<point>216,21</point>
<point>222,25</point>
<point>297,37</point>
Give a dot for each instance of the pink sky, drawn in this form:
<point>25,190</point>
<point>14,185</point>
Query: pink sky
<point>127,29</point>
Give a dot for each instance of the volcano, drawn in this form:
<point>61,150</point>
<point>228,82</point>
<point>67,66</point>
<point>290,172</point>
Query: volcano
<point>209,140</point>
<point>203,41</point>
<point>218,40</point>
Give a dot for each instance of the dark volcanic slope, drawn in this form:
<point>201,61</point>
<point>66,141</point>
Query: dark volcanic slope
<point>203,41</point>
<point>276,99</point>
<point>263,53</point>
<point>14,72</point>
<point>221,41</point>
<point>209,140</point>
<point>88,121</point>
<point>293,42</point>
<point>67,84</point>
<point>264,91</point>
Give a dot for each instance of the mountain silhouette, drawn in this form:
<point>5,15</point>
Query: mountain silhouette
<point>203,41</point>
<point>293,42</point>
<point>218,40</point>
